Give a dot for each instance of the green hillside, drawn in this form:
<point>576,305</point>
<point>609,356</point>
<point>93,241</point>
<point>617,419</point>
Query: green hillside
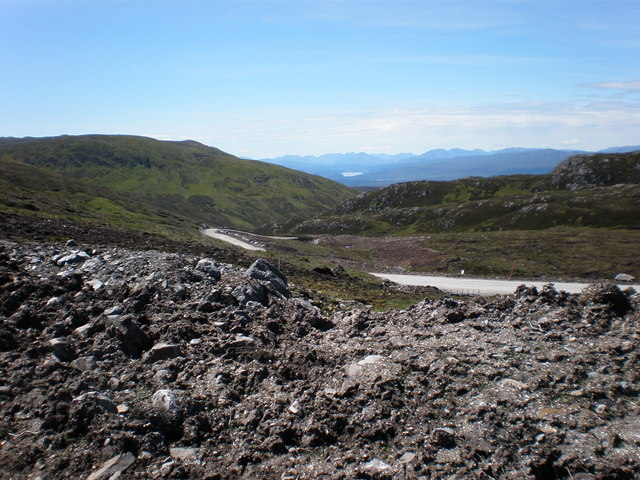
<point>583,191</point>
<point>141,182</point>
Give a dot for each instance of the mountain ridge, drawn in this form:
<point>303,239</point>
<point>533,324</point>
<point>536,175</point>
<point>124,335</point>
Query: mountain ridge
<point>130,178</point>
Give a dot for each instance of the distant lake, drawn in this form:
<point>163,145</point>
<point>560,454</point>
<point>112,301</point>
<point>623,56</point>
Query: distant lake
<point>351,174</point>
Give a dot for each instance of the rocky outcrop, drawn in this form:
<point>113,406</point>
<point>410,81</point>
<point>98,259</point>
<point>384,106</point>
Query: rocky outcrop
<point>597,170</point>
<point>154,365</point>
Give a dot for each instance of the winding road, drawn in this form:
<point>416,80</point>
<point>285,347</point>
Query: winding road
<point>240,238</point>
<point>225,237</point>
<point>481,286</point>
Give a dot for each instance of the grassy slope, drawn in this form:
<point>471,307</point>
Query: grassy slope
<point>556,253</point>
<point>173,181</point>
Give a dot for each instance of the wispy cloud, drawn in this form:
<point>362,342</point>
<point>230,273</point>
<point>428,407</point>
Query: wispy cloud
<point>631,86</point>
<point>588,125</point>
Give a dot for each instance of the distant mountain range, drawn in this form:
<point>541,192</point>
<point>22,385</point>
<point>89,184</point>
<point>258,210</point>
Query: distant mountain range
<point>379,170</point>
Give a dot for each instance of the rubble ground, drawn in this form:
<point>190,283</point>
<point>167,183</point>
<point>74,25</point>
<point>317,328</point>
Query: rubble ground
<point>117,363</point>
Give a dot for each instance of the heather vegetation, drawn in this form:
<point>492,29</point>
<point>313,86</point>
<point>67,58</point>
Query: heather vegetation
<point>146,184</point>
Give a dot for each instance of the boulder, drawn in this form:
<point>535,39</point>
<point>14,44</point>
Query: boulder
<point>249,293</point>
<point>265,272</point>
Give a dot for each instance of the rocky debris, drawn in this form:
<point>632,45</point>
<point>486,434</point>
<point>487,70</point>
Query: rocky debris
<point>169,371</point>
<point>607,295</point>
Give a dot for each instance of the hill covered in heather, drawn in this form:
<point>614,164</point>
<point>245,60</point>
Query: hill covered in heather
<point>143,183</point>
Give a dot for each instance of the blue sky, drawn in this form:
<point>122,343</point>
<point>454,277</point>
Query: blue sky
<point>261,78</point>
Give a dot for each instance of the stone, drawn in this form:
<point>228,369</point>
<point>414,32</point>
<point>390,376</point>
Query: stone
<point>75,257</point>
<point>264,271</point>
<point>372,368</point>
<point>444,437</point>
<point>249,293</point>
<point>133,341</point>
<point>210,267</point>
<point>242,341</point>
<point>84,331</point>
<point>112,468</point>
<point>407,458</point>
<point>115,310</point>
<point>98,399</point>
<point>87,363</point>
<point>95,284</point>
<point>377,469</point>
<point>163,376</point>
<point>294,407</point>
<point>62,350</point>
<point>165,400</point>
<point>53,302</point>
<point>161,351</point>
<point>510,382</point>
<point>624,277</point>
<point>184,454</point>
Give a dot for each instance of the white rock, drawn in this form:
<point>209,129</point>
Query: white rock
<point>376,468</point>
<point>112,468</point>
<point>623,277</point>
<point>95,284</point>
<point>295,407</point>
<point>190,454</point>
<point>165,400</point>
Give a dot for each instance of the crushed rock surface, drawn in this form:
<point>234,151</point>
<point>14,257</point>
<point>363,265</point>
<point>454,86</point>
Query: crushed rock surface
<point>117,363</point>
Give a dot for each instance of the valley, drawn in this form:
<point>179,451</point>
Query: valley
<point>579,222</point>
<point>171,311</point>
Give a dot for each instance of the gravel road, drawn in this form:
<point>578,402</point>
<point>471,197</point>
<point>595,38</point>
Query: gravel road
<point>481,286</point>
<point>218,234</point>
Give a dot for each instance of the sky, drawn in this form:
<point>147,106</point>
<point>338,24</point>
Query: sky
<point>263,78</point>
